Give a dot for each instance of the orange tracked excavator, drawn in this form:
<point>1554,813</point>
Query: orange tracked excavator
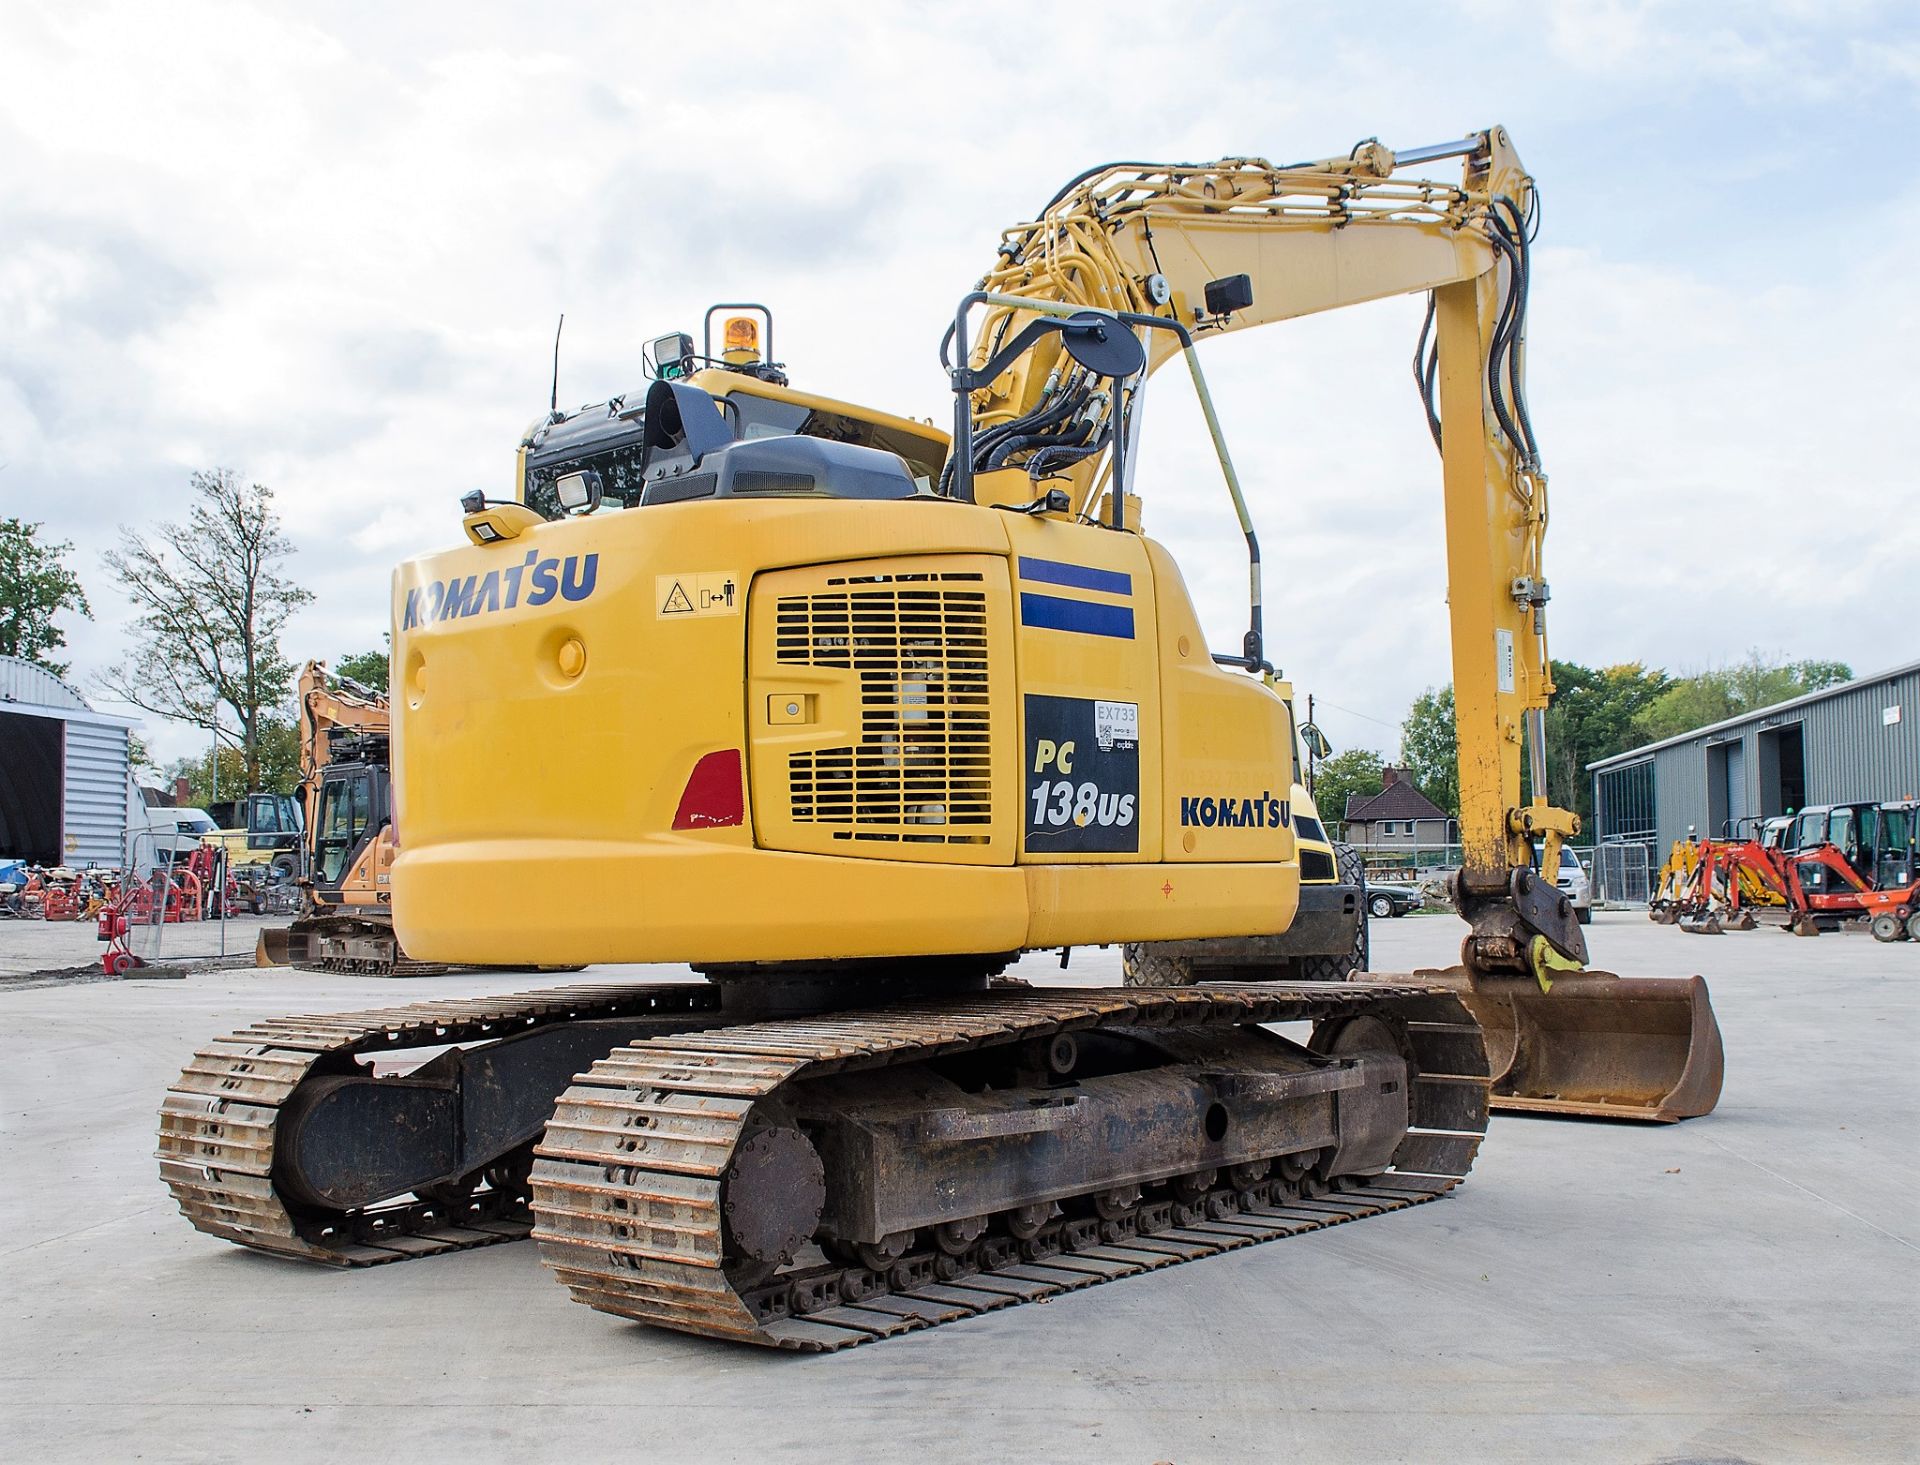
<point>345,922</point>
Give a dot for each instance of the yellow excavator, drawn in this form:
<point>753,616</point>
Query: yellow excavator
<point>847,712</point>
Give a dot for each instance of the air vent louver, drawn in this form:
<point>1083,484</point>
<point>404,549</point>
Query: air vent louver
<point>921,771</point>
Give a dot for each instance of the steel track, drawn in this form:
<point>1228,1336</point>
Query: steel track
<point>627,1186</point>
<point>218,1122</point>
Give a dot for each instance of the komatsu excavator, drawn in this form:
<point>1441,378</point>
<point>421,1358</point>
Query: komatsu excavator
<point>847,713</point>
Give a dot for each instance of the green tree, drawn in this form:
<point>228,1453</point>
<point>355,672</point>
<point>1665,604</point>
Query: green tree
<point>1429,750</point>
<point>368,668</point>
<point>1591,716</point>
<point>198,772</point>
<point>1719,693</point>
<point>279,766</point>
<point>35,586</point>
<point>1343,776</point>
<point>140,756</point>
<point>212,601</point>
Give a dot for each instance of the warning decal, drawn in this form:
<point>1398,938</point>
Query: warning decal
<point>710,593</point>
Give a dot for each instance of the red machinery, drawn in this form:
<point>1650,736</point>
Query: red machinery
<point>1825,865</point>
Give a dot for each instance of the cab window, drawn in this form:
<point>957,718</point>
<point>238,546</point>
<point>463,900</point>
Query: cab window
<point>1840,830</point>
<point>346,809</point>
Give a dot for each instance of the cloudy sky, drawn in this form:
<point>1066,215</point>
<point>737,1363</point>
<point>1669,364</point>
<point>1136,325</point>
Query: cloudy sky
<point>325,244</point>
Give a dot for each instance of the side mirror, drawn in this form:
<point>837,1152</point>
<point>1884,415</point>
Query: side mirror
<point>579,493</point>
<point>1315,740</point>
<point>1102,345</point>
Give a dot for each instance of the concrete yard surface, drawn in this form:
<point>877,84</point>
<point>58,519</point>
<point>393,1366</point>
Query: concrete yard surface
<point>1739,1287</point>
<point>28,948</point>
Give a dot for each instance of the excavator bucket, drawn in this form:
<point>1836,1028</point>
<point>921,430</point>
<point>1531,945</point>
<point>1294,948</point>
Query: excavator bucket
<point>273,947</point>
<point>1599,1045</point>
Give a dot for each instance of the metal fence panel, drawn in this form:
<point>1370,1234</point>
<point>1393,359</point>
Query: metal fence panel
<point>1623,872</point>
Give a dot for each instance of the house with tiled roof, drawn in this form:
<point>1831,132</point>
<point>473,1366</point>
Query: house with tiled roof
<point>1398,817</point>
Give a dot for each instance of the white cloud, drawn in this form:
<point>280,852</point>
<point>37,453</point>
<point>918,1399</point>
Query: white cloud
<point>326,247</point>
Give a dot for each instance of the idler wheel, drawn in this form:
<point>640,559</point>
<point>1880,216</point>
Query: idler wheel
<point>1063,1053</point>
<point>1294,1167</point>
<point>771,1195</point>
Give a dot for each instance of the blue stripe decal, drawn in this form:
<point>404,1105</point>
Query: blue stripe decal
<point>1089,618</point>
<point>1078,577</point>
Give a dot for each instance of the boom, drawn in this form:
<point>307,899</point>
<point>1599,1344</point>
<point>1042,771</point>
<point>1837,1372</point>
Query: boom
<point>1169,242</point>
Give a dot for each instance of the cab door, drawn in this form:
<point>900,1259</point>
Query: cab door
<point>345,825</point>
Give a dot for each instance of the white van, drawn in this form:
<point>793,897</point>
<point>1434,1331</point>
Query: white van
<point>169,837</point>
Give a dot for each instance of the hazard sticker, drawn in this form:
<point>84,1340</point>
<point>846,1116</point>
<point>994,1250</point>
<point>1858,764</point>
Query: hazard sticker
<point>714,593</point>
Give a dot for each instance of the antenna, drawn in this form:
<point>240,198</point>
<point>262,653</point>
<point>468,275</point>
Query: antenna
<point>553,402</point>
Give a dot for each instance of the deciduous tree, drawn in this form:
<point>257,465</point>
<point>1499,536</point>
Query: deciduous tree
<point>1718,693</point>
<point>368,668</point>
<point>1429,750</point>
<point>1343,776</point>
<point>212,600</point>
<point>35,586</point>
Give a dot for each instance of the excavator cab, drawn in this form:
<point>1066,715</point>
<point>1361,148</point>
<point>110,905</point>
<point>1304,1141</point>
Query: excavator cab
<point>353,811</point>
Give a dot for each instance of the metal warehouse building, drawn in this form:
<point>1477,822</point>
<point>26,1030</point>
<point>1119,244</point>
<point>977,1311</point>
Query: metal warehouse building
<point>1849,743</point>
<point>66,793</point>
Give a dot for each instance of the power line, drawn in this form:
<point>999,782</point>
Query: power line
<point>1363,716</point>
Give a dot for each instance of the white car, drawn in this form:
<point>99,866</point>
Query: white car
<point>1576,885</point>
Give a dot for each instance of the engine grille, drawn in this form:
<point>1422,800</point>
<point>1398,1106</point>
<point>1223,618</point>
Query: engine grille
<point>920,772</point>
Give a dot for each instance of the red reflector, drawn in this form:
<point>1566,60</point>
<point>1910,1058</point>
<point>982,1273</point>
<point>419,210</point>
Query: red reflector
<point>713,796</point>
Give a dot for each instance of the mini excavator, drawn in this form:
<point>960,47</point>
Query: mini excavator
<point>846,712</point>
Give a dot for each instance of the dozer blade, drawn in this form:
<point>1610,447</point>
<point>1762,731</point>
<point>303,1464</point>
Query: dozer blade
<point>272,949</point>
<point>1599,1045</point>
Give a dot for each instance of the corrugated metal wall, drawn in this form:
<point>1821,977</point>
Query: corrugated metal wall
<point>1679,792</point>
<point>25,681</point>
<point>95,810</point>
<point>1854,753</point>
<point>97,791</point>
<point>1851,751</point>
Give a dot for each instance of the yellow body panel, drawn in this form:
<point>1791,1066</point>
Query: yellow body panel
<point>554,696</point>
